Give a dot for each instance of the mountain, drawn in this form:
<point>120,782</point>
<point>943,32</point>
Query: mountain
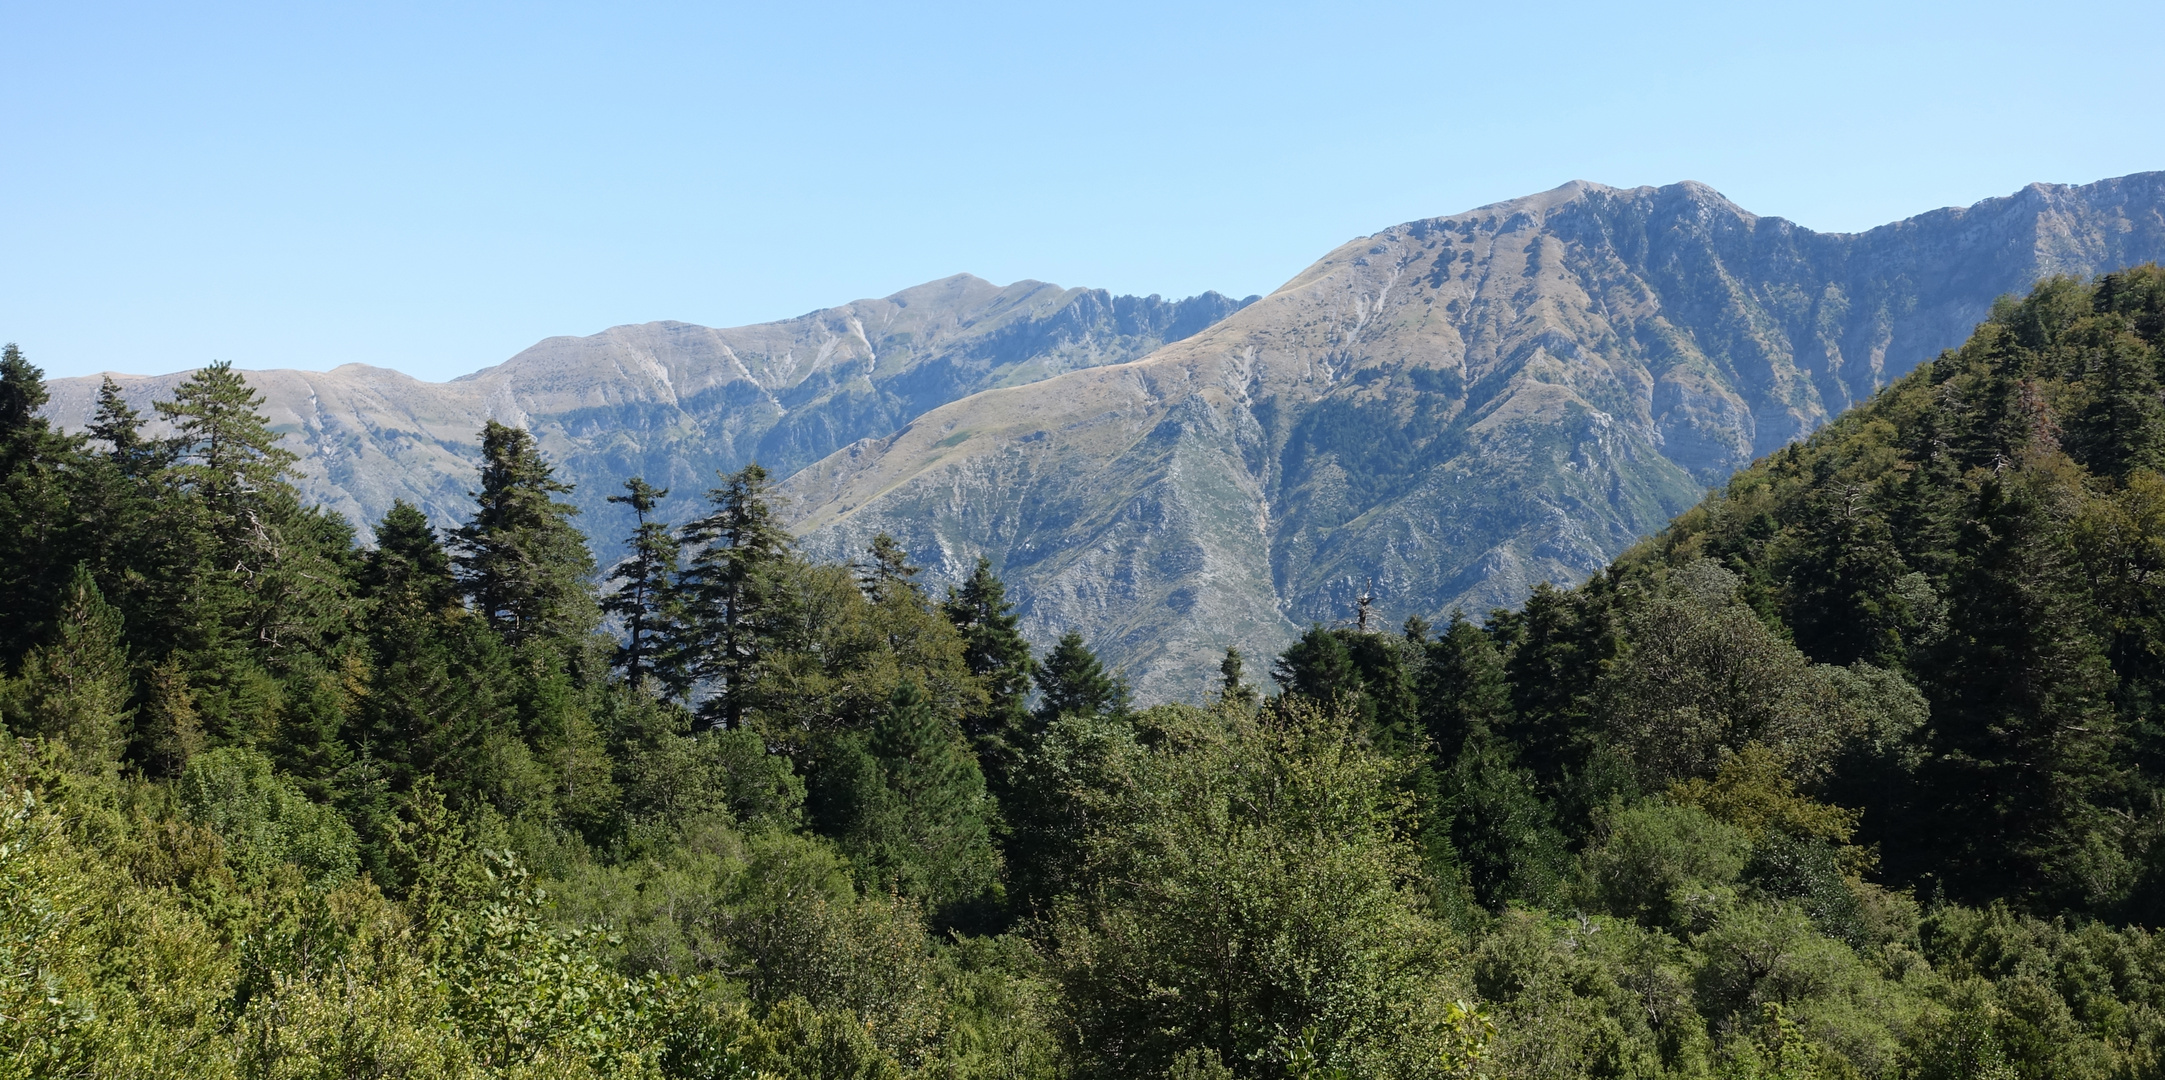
<point>674,402</point>
<point>1446,413</point>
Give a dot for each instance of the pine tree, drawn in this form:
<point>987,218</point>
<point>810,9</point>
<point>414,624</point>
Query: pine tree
<point>886,569</point>
<point>75,688</point>
<point>523,565</point>
<point>645,599</point>
<point>120,428</point>
<point>1071,682</point>
<point>736,545</point>
<point>1233,688</point>
<point>999,657</point>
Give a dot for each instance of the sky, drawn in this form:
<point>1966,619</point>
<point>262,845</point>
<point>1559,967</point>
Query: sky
<point>433,187</point>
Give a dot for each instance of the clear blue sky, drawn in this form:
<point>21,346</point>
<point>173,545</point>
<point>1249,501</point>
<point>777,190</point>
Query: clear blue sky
<point>433,187</point>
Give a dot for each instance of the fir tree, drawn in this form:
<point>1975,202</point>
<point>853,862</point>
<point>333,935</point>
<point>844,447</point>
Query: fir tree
<point>1233,688</point>
<point>887,569</point>
<point>1071,682</point>
<point>736,545</point>
<point>408,568</point>
<point>120,428</point>
<point>1318,667</point>
<point>33,509</point>
<point>907,802</point>
<point>645,600</point>
<point>522,563</point>
<point>168,730</point>
<point>1464,691</point>
<point>75,688</point>
<point>999,657</point>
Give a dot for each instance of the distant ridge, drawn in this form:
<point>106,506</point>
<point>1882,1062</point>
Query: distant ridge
<point>1458,407</point>
<point>674,401</point>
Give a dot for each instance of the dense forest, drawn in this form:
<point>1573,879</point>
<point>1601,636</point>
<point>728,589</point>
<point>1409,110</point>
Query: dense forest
<point>1857,770</point>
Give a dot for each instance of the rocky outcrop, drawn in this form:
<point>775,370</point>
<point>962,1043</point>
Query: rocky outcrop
<point>1449,412</point>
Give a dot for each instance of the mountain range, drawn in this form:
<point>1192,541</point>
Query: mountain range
<point>1440,415</point>
<point>675,402</point>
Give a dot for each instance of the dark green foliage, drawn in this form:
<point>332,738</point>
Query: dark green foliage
<point>1854,771</point>
<point>1071,682</point>
<point>1000,658</point>
<point>645,599</point>
<point>523,565</point>
<point>907,803</point>
<point>1233,687</point>
<point>727,592</point>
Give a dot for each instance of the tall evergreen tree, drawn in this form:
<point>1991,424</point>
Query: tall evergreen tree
<point>886,568</point>
<point>1000,658</point>
<point>2020,704</point>
<point>645,598</point>
<point>907,802</point>
<point>1071,682</point>
<point>1464,691</point>
<point>408,568</point>
<point>523,565</point>
<point>1318,667</point>
<point>37,542</point>
<point>120,428</point>
<point>75,688</point>
<point>736,546</point>
<point>1233,687</point>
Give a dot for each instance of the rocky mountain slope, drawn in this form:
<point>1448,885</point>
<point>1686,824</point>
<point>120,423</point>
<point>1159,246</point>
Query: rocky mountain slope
<point>1449,411</point>
<point>675,402</point>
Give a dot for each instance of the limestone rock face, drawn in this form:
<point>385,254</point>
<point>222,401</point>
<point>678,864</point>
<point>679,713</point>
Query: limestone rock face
<point>1449,412</point>
<point>675,402</point>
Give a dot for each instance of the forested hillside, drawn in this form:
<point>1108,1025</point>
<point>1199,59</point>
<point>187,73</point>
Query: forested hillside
<point>1853,771</point>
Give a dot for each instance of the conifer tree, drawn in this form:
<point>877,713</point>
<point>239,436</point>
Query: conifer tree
<point>168,730</point>
<point>907,802</point>
<point>1318,667</point>
<point>1465,693</point>
<point>1233,688</point>
<point>408,568</point>
<point>999,657</point>
<point>736,545</point>
<point>2020,703</point>
<point>886,569</point>
<point>32,508</point>
<point>120,428</point>
<point>75,688</point>
<point>523,565</point>
<point>645,599</point>
<point>1071,682</point>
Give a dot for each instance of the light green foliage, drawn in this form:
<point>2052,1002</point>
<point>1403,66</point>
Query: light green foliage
<point>1664,865</point>
<point>234,793</point>
<point>1249,879</point>
<point>75,688</point>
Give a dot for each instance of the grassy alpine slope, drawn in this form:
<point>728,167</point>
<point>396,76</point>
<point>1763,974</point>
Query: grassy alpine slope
<point>1852,771</point>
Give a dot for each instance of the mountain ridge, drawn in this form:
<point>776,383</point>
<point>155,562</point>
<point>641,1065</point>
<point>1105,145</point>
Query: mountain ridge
<point>675,401</point>
<point>1455,407</point>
